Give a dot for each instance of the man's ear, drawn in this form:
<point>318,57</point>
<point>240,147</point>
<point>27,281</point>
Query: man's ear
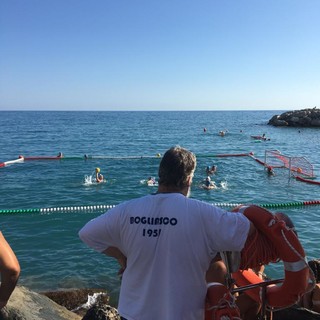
<point>189,181</point>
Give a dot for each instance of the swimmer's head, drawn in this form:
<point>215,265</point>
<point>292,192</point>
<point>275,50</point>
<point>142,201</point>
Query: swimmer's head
<point>97,170</point>
<point>299,170</point>
<point>208,178</point>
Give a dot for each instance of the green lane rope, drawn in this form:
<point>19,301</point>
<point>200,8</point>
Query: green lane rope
<point>94,208</point>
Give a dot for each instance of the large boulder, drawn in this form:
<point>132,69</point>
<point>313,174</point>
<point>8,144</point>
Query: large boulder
<point>28,305</point>
<point>297,118</point>
<point>77,304</point>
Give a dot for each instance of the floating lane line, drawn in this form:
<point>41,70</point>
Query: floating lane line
<point>86,157</point>
<point>158,155</point>
<point>224,155</point>
<point>6,163</point>
<point>94,208</point>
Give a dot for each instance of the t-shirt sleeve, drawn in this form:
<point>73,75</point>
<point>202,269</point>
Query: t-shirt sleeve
<point>230,230</point>
<point>100,233</point>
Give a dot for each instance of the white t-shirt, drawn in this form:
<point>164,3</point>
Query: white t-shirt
<point>169,241</point>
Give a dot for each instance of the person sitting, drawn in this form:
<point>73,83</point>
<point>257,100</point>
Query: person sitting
<point>250,309</point>
<point>99,176</point>
<point>311,300</point>
<point>9,269</point>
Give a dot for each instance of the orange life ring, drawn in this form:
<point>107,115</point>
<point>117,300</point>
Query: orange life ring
<point>220,303</point>
<point>290,252</point>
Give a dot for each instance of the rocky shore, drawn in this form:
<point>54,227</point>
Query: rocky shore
<point>297,118</point>
<point>80,304</point>
<point>90,304</point>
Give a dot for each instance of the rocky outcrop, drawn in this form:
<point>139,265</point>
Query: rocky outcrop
<point>102,312</point>
<point>297,118</point>
<point>78,304</point>
<point>28,305</point>
<point>25,304</point>
<point>79,300</point>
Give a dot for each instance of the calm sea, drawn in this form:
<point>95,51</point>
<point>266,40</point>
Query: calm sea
<point>124,146</point>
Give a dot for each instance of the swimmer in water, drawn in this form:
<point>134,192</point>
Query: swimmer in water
<point>99,176</point>
<point>208,184</point>
<point>270,171</point>
<point>211,170</point>
<point>151,181</point>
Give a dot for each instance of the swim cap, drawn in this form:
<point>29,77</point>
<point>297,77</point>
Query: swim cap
<point>98,170</point>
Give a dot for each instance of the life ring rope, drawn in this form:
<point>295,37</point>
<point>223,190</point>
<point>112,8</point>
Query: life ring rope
<point>294,266</point>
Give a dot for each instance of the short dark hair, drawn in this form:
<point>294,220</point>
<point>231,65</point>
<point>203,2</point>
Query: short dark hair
<point>176,166</point>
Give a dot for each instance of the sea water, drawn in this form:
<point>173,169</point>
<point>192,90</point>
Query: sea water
<point>126,147</point>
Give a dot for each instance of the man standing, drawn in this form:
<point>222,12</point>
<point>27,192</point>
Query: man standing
<point>164,243</point>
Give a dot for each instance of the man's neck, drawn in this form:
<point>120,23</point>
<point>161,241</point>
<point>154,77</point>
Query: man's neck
<point>170,189</point>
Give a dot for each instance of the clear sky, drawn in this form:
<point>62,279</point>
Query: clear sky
<point>159,55</point>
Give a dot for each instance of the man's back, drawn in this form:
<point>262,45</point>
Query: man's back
<point>169,241</point>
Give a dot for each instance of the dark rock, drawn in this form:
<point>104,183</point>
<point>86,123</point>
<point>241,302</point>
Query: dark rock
<point>72,299</point>
<point>102,313</point>
<point>297,118</point>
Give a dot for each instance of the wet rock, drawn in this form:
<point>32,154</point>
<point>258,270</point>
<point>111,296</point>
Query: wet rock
<point>79,300</point>
<point>102,312</point>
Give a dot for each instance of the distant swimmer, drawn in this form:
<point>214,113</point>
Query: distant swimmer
<point>270,171</point>
<point>99,176</point>
<point>208,184</point>
<point>222,133</point>
<point>211,170</point>
<point>152,182</point>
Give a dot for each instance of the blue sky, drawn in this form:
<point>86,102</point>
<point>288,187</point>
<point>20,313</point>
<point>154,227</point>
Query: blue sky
<point>159,55</point>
